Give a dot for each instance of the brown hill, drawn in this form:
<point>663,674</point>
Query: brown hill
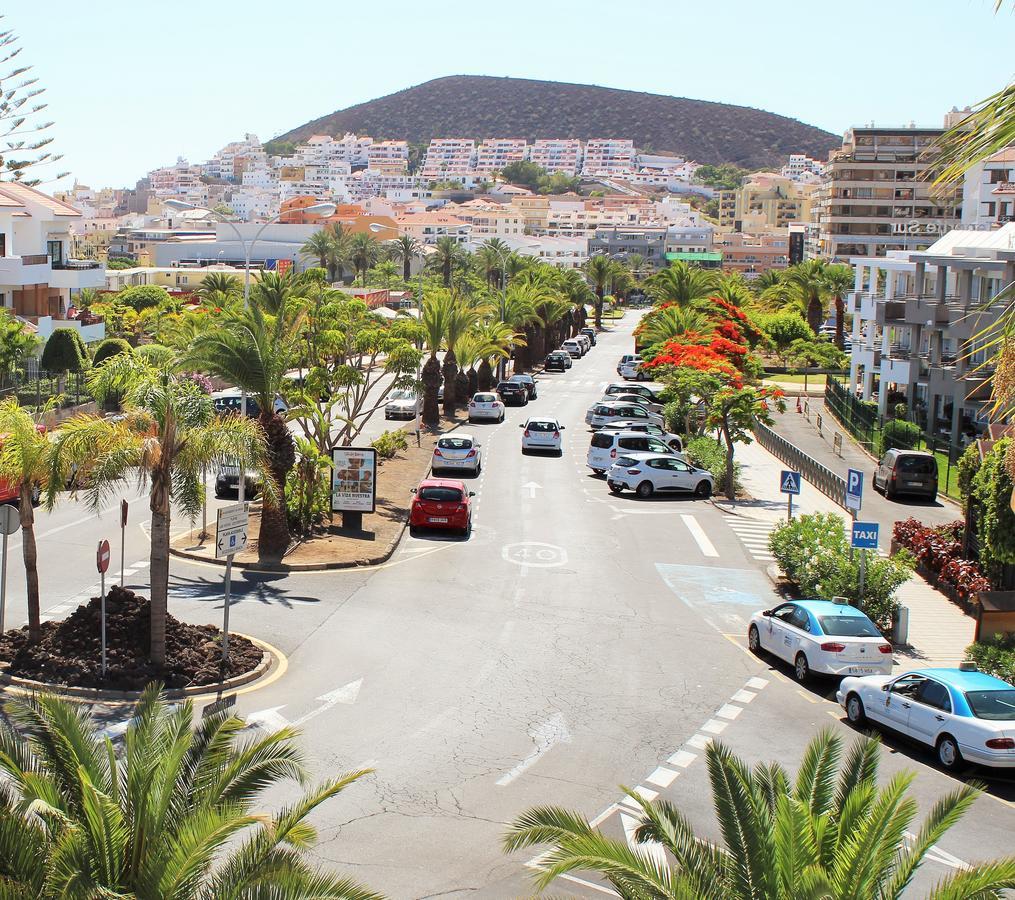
<point>482,106</point>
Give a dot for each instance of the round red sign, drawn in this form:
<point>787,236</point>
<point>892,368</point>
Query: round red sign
<point>102,556</point>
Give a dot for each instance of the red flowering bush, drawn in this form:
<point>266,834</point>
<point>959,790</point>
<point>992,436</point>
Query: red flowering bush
<point>940,551</point>
<point>695,356</point>
<point>965,576</point>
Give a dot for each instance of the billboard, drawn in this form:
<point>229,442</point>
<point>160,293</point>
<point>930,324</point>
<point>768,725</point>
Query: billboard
<point>353,479</point>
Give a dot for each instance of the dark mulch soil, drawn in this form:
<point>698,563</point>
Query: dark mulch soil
<point>70,651</point>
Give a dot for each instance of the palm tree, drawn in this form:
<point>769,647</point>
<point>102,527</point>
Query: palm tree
<point>664,324</point>
<point>495,339</point>
<point>167,438</point>
<point>446,254</point>
<point>319,246</point>
<point>384,272</point>
<point>403,249</point>
<point>599,270</point>
<point>767,279</point>
<point>174,815</point>
<point>836,280</point>
<point>253,350</point>
<point>460,319</point>
<point>331,248</point>
<point>218,285</point>
<point>436,312</point>
<point>833,833</point>
<point>24,461</point>
<point>681,284</point>
<point>517,308</point>
<point>491,258</point>
<point>732,288</point>
<point>636,265</point>
<point>801,287</point>
<point>363,253</point>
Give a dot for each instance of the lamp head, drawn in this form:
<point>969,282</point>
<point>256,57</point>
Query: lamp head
<point>179,204</point>
<point>325,209</point>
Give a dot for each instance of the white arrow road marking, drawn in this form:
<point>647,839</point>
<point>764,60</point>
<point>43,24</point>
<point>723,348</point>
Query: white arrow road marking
<point>544,736</point>
<point>936,854</point>
<point>532,487</point>
<point>650,848</point>
<point>346,694</point>
<point>267,719</point>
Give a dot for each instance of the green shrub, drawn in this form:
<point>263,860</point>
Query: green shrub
<point>899,435</point>
<point>992,489</point>
<point>709,454</point>
<point>995,656</point>
<point>797,544</point>
<point>142,296</point>
<point>64,352</point>
<point>110,347</point>
<point>390,443</point>
<point>969,465</point>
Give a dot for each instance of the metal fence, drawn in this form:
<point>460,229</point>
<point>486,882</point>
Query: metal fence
<point>35,390</point>
<point>831,485</point>
<point>862,421</point>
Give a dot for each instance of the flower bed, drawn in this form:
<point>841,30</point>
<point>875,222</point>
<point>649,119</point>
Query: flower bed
<point>938,553</point>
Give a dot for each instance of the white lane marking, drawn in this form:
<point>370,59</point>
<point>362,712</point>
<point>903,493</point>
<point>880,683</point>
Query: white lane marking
<point>683,758</point>
<point>698,533</point>
<point>729,711</point>
<point>267,719</point>
<point>272,720</point>
<point>743,696</point>
<point>532,487</point>
<point>595,887</point>
<point>545,737</point>
<point>662,777</point>
<point>699,742</point>
<point>651,849</point>
<point>645,793</point>
<point>714,726</point>
<point>757,683</point>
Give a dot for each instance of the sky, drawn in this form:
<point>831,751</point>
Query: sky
<point>132,86</point>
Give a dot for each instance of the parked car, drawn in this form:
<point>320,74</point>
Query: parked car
<point>528,382</point>
<point>542,434</point>
<point>650,473</point>
<point>607,445</point>
<point>911,472</point>
<point>965,715</point>
<point>513,393</point>
<point>673,441</point>
<point>602,413</point>
<point>573,349</point>
<point>227,482</point>
<point>583,340</point>
<point>563,354</point>
<point>458,451</point>
<point>554,362</point>
<point>626,359</point>
<point>486,406</point>
<point>636,399</point>
<point>625,387</point>
<point>821,637</point>
<point>634,371</point>
<point>402,405</point>
<point>441,503</point>
<point>590,333</point>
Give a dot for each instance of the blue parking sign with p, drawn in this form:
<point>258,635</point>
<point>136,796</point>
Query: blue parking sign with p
<point>854,489</point>
<point>789,482</point>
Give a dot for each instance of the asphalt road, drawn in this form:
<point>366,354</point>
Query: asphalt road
<point>576,642</point>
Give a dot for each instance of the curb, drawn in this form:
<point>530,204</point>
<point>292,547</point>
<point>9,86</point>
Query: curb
<point>27,685</point>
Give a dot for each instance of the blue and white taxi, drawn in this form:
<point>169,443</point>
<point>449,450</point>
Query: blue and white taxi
<point>965,715</point>
<point>821,637</point>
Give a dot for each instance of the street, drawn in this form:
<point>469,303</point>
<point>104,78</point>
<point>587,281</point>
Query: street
<point>576,642</point>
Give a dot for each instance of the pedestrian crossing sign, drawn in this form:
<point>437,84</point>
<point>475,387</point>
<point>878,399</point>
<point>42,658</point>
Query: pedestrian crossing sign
<point>790,482</point>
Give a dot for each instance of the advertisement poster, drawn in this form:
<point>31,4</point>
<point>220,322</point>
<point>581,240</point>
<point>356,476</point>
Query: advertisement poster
<point>353,479</point>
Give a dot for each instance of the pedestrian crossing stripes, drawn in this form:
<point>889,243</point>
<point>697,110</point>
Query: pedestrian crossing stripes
<point>753,534</point>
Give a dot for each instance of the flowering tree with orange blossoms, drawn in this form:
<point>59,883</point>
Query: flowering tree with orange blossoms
<point>733,411</point>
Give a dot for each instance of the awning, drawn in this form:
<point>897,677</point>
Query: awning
<point>696,257</point>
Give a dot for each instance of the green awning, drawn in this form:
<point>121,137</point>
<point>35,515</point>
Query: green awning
<point>696,257</point>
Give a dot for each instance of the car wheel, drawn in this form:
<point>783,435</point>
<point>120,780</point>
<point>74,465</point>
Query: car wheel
<point>889,493</point>
<point>855,711</point>
<point>948,753</point>
<point>535,396</point>
<point>413,531</point>
<point>703,491</point>
<point>645,490</point>
<point>754,640</point>
<point>801,668</point>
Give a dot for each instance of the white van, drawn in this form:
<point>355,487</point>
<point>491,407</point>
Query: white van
<point>607,445</point>
<point>602,413</point>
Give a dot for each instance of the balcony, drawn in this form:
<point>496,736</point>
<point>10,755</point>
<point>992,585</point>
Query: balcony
<point>75,274</point>
<point>19,271</point>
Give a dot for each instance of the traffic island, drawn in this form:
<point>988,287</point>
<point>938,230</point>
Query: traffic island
<point>334,547</point>
<point>69,654</point>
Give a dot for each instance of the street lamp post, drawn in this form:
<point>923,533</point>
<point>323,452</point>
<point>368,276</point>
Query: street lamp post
<point>324,209</point>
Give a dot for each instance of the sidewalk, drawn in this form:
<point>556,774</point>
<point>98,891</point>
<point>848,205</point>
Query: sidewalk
<point>939,631</point>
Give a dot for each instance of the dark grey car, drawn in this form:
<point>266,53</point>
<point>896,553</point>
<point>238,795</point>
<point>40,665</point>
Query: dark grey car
<point>912,472</point>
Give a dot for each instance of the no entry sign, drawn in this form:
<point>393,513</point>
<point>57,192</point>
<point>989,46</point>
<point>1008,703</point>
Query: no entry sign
<point>102,557</point>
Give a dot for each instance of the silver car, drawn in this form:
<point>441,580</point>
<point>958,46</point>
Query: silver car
<point>401,405</point>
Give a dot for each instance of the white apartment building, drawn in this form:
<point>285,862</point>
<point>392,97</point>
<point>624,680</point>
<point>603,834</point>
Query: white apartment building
<point>489,219</point>
<point>176,180</point>
<point>562,252</point>
<point>322,148</point>
<point>802,168</point>
<point>557,155</point>
<point>449,159</point>
<point>388,157</point>
<point>496,153</point>
<point>608,156</point>
<point>988,192</point>
<point>429,227</point>
<point>232,160</point>
<point>255,203</point>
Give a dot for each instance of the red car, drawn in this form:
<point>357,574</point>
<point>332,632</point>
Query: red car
<point>441,503</point>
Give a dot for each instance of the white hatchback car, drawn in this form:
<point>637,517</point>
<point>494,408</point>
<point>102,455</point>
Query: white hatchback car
<point>627,359</point>
<point>607,445</point>
<point>457,452</point>
<point>821,637</point>
<point>402,405</point>
<point>650,473</point>
<point>606,411</point>
<point>485,406</point>
<point>542,434</point>
<point>633,371</point>
<point>573,349</point>
<point>965,715</point>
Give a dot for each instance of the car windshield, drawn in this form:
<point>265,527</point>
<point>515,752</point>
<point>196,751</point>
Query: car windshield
<point>998,706</point>
<point>441,494</point>
<point>848,626</point>
<point>403,395</point>
<point>485,398</point>
<point>542,426</point>
<point>454,443</point>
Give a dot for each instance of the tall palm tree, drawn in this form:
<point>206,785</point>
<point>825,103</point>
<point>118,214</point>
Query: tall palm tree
<point>437,309</point>
<point>175,815</point>
<point>636,265</point>
<point>518,308</point>
<point>24,461</point>
<point>491,258</point>
<point>833,834</point>
<point>446,255</point>
<point>253,350</point>
<point>674,321</point>
<point>732,288</point>
<point>495,340</point>
<point>460,319</point>
<point>166,440</point>
<point>363,253</point>
<point>319,246</point>
<point>802,287</point>
<point>681,284</point>
<point>767,279</point>
<point>404,249</point>
<point>836,280</point>
<point>599,270</point>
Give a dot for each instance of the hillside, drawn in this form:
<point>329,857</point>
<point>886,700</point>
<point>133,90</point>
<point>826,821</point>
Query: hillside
<point>482,106</point>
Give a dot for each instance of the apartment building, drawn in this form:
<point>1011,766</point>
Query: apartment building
<point>608,156</point>
<point>320,149</point>
<point>489,219</point>
<point>648,241</point>
<point>494,154</point>
<point>876,195</point>
<point>558,155</point>
<point>234,158</point>
<point>726,200</point>
<point>769,200</point>
<point>38,277</point>
<point>801,167</point>
<point>449,158</point>
<point>751,254</point>
<point>916,318</point>
<point>988,192</point>
<point>388,158</point>
<point>562,252</point>
<point>429,227</point>
<point>179,180</point>
<point>692,244</point>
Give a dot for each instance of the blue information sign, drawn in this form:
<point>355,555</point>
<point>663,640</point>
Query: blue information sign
<point>865,536</point>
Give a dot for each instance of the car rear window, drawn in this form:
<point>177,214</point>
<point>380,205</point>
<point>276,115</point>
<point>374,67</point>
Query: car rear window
<point>922,465</point>
<point>485,398</point>
<point>542,426</point>
<point>454,443</point>
<point>633,443</point>
<point>509,386</point>
<point>604,410</point>
<point>441,494</point>
<point>847,626</point>
<point>602,441</point>
<point>626,461</point>
<point>998,706</point>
